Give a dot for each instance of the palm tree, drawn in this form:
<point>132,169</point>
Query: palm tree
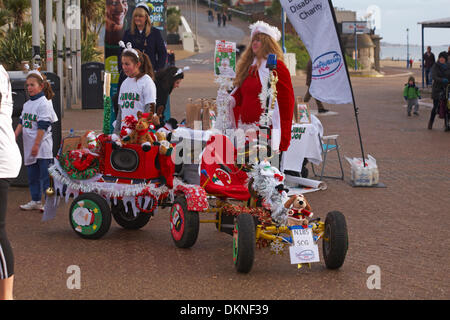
<point>92,16</point>
<point>17,10</point>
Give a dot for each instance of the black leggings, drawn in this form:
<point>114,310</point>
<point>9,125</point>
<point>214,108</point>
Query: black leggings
<point>6,253</point>
<point>435,111</point>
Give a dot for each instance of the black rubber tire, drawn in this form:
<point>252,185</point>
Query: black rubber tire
<point>244,243</point>
<point>335,240</point>
<point>126,219</point>
<point>184,224</point>
<point>103,216</point>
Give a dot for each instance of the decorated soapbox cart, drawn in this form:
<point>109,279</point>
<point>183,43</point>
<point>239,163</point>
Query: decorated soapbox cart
<point>251,203</point>
<point>124,181</point>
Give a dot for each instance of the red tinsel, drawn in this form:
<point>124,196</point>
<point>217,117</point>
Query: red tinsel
<point>144,193</point>
<point>262,214</point>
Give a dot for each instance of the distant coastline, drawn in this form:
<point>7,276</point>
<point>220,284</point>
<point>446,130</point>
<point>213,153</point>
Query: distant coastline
<point>400,51</point>
<point>388,44</point>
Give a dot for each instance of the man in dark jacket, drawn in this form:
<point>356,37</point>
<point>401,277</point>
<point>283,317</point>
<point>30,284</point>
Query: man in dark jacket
<point>441,74</point>
<point>320,106</point>
<point>428,61</point>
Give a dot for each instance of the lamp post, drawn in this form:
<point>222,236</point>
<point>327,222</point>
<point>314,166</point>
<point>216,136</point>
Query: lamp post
<point>356,49</point>
<point>283,22</point>
<point>35,33</point>
<point>407,48</point>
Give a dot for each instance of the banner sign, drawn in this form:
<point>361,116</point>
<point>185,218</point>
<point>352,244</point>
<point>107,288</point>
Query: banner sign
<point>158,16</point>
<point>313,21</point>
<point>348,27</point>
<point>225,59</point>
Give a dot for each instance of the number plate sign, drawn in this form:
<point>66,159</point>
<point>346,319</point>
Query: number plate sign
<point>304,249</point>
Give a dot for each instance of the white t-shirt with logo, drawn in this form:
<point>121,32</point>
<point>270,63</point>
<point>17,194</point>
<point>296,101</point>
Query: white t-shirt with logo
<point>10,158</point>
<point>135,94</point>
<point>40,109</point>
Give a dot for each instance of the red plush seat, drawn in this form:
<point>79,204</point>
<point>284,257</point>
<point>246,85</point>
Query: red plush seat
<point>218,174</point>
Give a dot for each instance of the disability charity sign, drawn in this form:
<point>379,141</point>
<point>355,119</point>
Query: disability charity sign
<point>314,23</point>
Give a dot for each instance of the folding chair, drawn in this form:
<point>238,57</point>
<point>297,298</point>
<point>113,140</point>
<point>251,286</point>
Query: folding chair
<point>326,148</point>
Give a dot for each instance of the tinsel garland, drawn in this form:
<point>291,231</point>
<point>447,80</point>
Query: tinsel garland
<point>107,114</point>
<point>266,116</point>
<point>266,178</point>
<point>79,166</point>
<point>127,192</point>
<point>262,214</point>
<point>223,118</point>
<point>146,193</point>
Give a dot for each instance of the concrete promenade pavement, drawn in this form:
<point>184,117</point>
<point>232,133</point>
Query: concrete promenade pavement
<point>403,228</point>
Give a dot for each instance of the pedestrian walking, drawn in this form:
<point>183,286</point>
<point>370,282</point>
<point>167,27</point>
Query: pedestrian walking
<point>35,125</point>
<point>171,58</point>
<point>411,94</point>
<point>219,19</point>
<point>320,107</point>
<point>440,75</point>
<point>10,163</point>
<point>224,19</point>
<point>210,15</point>
<point>428,61</point>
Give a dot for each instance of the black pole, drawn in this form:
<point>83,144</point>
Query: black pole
<point>349,81</point>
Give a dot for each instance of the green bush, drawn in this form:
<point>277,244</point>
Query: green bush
<point>89,51</point>
<point>173,19</point>
<point>351,63</point>
<point>16,47</point>
<point>295,45</point>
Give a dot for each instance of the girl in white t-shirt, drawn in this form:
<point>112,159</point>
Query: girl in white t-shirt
<point>36,126</point>
<point>138,91</point>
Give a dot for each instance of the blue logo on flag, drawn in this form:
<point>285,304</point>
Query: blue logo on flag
<point>326,64</point>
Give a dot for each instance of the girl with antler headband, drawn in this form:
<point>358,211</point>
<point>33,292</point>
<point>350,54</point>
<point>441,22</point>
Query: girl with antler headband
<point>138,91</point>
<point>35,124</point>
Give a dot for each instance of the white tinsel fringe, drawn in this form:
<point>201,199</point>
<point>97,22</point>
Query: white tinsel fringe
<point>264,183</point>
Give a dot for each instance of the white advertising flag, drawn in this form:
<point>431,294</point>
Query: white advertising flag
<point>314,23</point>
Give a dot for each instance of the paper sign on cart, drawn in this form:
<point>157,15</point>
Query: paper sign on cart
<point>304,249</point>
<point>225,59</point>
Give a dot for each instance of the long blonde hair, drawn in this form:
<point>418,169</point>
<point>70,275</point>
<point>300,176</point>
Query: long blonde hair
<point>148,22</point>
<point>268,45</point>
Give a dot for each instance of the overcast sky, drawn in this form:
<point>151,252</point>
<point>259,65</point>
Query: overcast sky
<point>398,15</point>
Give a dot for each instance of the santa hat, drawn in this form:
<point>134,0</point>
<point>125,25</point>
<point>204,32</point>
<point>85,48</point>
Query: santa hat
<point>263,27</point>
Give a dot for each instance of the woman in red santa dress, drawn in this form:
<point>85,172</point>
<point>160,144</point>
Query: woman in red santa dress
<point>252,77</point>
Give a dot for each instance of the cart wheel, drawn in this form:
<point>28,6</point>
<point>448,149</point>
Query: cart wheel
<point>90,216</point>
<point>244,243</point>
<point>335,240</point>
<point>184,224</point>
<point>126,219</point>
